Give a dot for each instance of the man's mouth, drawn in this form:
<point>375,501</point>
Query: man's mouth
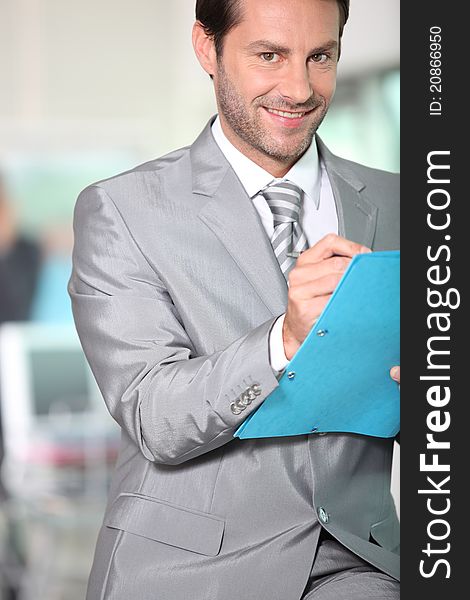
<point>287,114</point>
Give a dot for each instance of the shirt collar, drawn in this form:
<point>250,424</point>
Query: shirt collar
<point>305,172</point>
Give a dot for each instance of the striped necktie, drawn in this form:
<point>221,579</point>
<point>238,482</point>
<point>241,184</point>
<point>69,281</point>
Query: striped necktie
<point>288,240</point>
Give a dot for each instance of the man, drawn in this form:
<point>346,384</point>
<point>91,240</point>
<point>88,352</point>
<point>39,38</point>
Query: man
<point>196,278</point>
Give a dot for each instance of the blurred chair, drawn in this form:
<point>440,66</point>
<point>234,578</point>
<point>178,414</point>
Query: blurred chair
<point>60,446</point>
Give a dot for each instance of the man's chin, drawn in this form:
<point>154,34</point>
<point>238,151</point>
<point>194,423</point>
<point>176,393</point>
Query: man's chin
<point>286,151</point>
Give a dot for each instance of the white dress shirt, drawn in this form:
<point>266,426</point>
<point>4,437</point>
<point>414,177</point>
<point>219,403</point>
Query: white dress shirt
<point>318,214</point>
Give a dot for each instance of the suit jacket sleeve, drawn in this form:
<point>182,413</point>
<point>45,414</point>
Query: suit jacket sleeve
<point>173,404</point>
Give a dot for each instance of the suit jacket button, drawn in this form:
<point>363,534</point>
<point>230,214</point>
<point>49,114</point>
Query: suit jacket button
<point>235,409</point>
<point>324,516</point>
<point>243,400</point>
<point>240,404</point>
<point>250,393</point>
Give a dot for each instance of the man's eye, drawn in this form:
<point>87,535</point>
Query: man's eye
<point>269,56</point>
<point>319,58</point>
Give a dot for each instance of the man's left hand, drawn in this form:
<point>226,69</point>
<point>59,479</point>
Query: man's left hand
<point>395,374</point>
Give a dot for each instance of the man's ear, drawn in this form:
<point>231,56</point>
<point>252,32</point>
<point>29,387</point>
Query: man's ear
<point>204,48</point>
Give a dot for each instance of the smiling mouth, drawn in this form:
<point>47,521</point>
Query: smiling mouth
<point>288,114</point>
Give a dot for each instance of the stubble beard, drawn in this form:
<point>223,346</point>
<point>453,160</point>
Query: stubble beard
<point>249,128</point>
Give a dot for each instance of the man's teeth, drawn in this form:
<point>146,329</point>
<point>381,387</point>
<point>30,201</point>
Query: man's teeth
<point>289,115</point>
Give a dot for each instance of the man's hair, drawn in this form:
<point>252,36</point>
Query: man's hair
<point>218,17</point>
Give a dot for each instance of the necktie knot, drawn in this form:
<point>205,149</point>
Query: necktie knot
<point>284,198</point>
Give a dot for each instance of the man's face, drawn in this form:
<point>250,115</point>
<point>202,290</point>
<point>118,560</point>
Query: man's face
<point>276,77</point>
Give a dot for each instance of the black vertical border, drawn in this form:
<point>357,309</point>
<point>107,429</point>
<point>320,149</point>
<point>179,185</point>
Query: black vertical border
<point>423,133</point>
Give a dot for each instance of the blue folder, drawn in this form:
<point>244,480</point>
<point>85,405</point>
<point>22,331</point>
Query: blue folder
<point>338,380</point>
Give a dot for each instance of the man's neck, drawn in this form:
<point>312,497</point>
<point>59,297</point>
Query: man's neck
<point>275,167</point>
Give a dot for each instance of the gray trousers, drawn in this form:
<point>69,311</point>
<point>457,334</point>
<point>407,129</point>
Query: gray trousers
<point>338,574</point>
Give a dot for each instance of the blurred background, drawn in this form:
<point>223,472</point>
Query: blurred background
<point>87,90</point>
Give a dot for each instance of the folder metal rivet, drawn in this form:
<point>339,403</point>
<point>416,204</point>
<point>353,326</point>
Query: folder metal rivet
<point>291,375</point>
<point>322,332</point>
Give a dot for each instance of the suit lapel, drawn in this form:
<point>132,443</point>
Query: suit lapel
<point>232,217</point>
<point>357,216</point>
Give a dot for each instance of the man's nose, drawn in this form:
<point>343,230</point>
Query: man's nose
<point>296,85</point>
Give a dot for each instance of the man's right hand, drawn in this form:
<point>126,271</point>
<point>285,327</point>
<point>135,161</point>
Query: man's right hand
<point>311,282</point>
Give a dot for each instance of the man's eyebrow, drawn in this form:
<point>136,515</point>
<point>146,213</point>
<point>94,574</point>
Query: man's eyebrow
<point>260,45</point>
<point>267,46</point>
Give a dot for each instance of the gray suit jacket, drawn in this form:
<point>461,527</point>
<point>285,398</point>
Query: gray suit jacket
<point>175,288</point>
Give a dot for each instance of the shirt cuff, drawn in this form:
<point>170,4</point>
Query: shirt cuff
<point>277,356</point>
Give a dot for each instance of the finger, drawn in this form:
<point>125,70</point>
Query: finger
<point>395,374</point>
<point>302,273</point>
<point>310,289</point>
<point>331,245</point>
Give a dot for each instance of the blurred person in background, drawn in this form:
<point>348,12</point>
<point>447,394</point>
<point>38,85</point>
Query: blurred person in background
<point>20,260</point>
<point>196,277</point>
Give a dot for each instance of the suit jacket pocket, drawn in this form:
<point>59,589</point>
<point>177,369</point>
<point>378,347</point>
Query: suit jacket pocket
<point>387,533</point>
<point>168,523</point>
